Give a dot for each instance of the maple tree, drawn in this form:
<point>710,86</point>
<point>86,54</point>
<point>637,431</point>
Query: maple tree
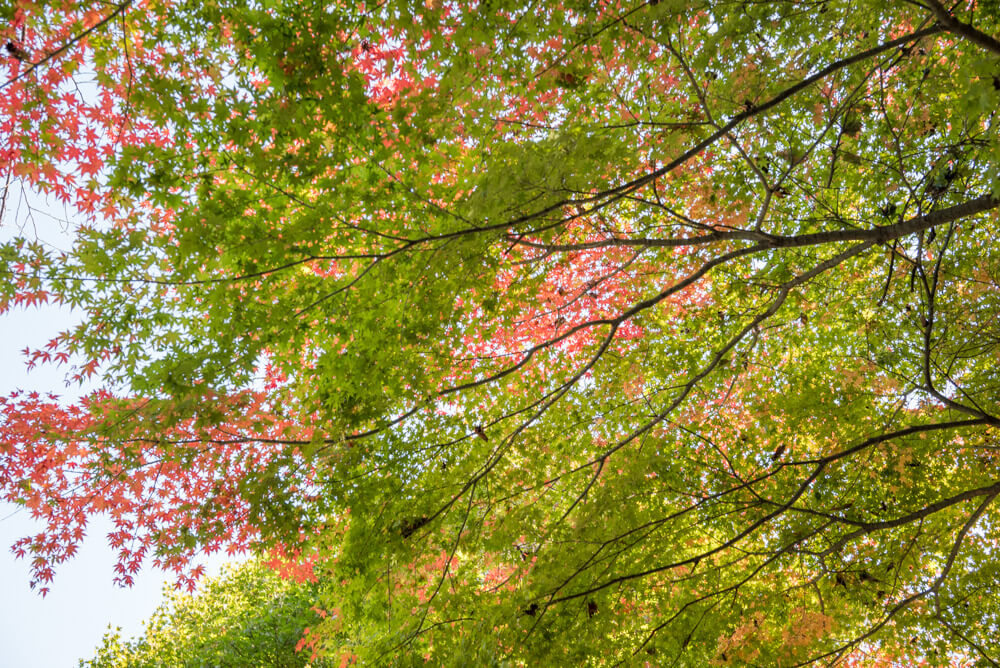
<point>555,334</point>
<point>247,616</point>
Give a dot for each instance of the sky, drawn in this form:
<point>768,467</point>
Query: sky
<point>68,624</point>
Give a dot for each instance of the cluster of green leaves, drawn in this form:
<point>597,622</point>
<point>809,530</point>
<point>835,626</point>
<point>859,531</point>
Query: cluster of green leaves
<point>248,616</point>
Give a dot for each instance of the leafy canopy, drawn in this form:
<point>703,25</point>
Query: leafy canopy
<point>248,616</point>
<point>552,334</point>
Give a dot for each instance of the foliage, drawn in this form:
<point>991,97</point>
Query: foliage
<point>246,617</point>
<point>554,333</point>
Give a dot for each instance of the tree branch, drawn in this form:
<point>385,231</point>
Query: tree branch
<point>969,32</point>
<point>107,19</point>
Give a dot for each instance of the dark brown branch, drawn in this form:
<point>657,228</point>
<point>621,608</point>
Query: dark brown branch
<point>869,527</point>
<point>879,234</point>
<point>606,197</point>
<point>968,641</point>
<point>909,600</point>
<point>49,56</point>
<point>956,27</point>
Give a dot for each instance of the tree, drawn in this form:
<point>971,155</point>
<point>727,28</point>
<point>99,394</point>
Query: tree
<point>563,334</point>
<point>247,616</point>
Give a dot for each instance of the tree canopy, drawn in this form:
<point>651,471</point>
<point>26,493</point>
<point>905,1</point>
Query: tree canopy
<point>248,616</point>
<point>552,333</point>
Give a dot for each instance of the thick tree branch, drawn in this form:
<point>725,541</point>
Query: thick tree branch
<point>879,234</point>
<point>969,32</point>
